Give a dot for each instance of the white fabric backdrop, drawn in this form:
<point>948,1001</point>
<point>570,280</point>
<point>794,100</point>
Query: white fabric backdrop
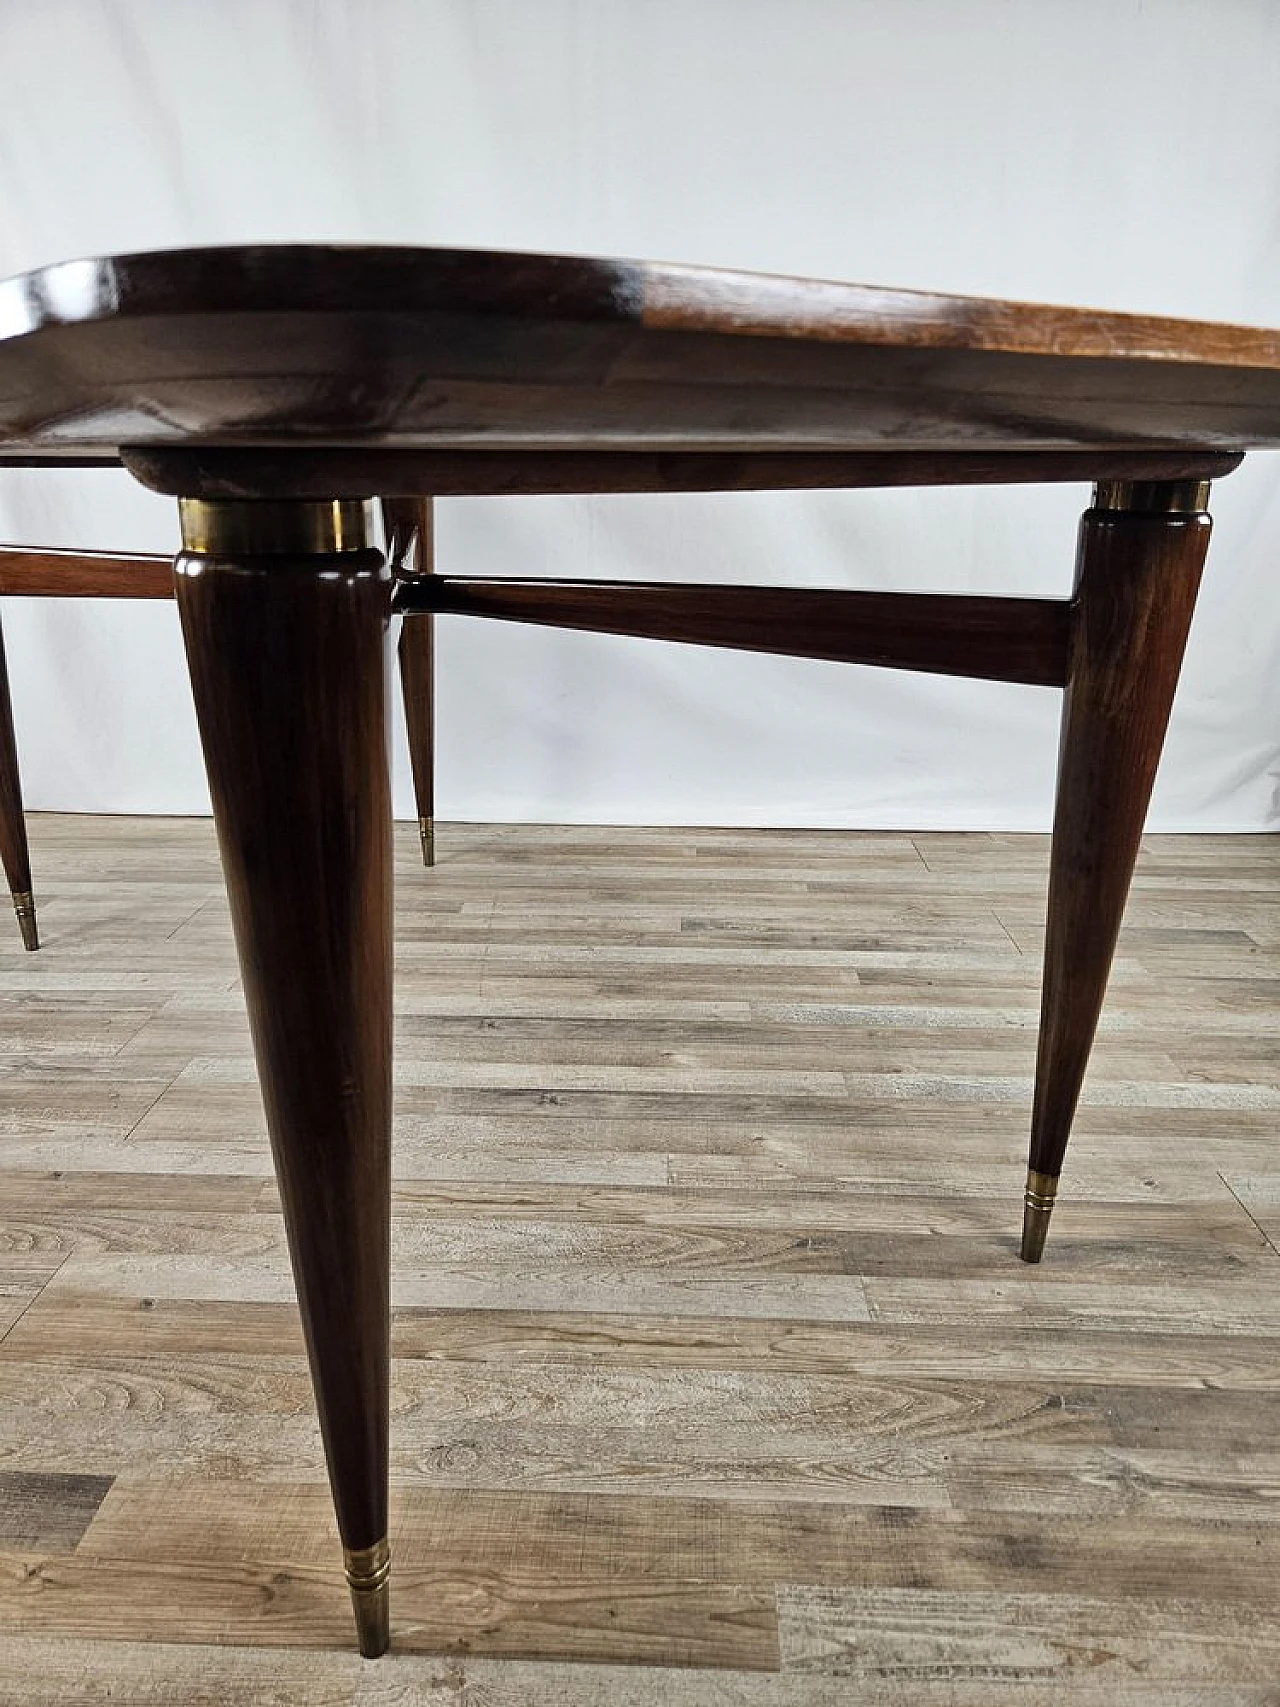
<point>1109,152</point>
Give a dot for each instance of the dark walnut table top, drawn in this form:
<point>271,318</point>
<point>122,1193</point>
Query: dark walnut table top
<point>412,350</point>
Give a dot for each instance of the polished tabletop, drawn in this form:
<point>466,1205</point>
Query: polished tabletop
<point>413,349</point>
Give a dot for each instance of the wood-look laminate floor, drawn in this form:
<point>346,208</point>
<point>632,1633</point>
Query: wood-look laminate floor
<point>717,1379</point>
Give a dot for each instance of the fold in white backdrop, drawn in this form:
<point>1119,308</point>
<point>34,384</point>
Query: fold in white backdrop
<point>1107,152</point>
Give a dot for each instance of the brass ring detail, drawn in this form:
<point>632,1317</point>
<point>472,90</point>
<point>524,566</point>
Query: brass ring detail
<point>24,905</point>
<point>367,1567</point>
<point>368,1571</point>
<point>1042,1190</point>
<point>251,527</point>
<point>1153,497</point>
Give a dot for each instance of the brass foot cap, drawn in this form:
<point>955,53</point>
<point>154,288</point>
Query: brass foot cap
<point>368,1574</point>
<point>427,835</point>
<point>1037,1207</point>
<point>25,907</point>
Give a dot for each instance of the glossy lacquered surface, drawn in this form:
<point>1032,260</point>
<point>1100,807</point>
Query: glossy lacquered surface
<point>319,471</point>
<point>1006,640</point>
<point>14,856</point>
<point>409,524</point>
<point>84,574</point>
<point>287,658</point>
<point>1136,583</point>
<point>397,348</point>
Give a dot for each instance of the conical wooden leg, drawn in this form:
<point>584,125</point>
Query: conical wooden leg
<point>13,828</point>
<point>410,545</point>
<point>287,653</point>
<point>1141,552</point>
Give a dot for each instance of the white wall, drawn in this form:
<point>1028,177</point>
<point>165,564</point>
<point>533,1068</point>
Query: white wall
<point>1109,152</point>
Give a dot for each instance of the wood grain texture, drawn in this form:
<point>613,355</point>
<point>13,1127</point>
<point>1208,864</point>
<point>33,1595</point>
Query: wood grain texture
<point>14,854</point>
<point>287,669</point>
<point>636,1457</point>
<point>481,349</point>
<point>84,574</point>
<point>219,472</point>
<point>1137,579</point>
<point>39,1672</point>
<point>1010,640</point>
<point>47,1513</point>
<point>410,530</point>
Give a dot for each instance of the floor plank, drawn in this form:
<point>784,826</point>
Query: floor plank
<point>716,1379</point>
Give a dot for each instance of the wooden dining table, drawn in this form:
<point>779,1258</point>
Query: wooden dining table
<point>276,392</point>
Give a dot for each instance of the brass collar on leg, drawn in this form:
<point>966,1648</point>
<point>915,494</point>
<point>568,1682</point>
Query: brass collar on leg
<point>1041,1193</point>
<point>368,1574</point>
<point>1153,497</point>
<point>297,527</point>
<point>24,905</point>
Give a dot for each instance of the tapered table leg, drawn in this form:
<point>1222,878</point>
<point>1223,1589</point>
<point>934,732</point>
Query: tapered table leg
<point>411,547</point>
<point>285,619</point>
<point>13,828</point>
<point>1141,551</point>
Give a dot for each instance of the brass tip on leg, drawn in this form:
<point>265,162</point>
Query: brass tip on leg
<point>25,907</point>
<point>368,1574</point>
<point>427,835</point>
<point>1037,1207</point>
